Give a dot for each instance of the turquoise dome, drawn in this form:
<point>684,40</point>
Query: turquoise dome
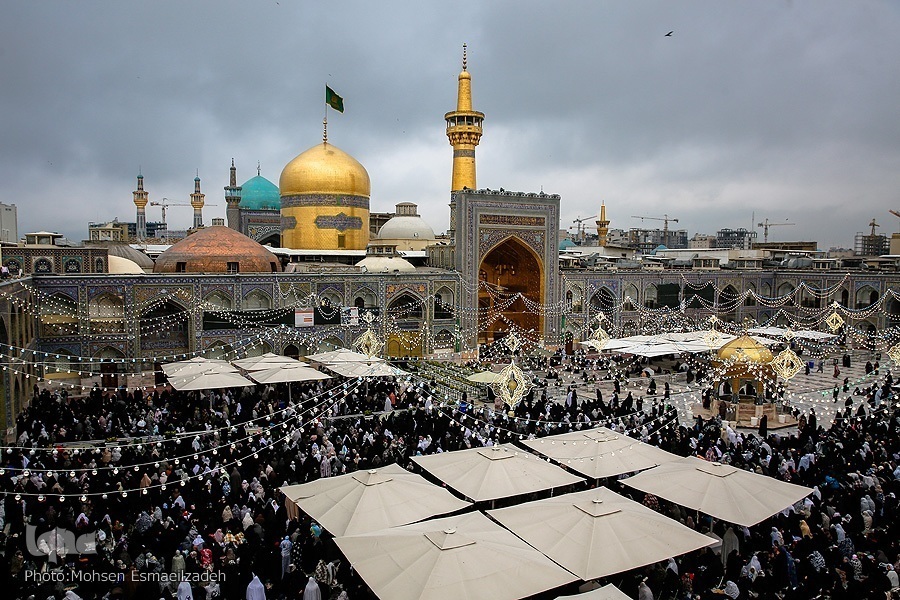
<point>260,194</point>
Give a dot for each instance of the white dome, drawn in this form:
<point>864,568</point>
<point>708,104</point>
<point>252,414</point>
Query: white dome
<point>385,264</point>
<point>123,266</point>
<point>406,228</point>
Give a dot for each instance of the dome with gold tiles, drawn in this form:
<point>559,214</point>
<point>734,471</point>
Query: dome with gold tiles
<point>324,201</point>
<point>745,349</point>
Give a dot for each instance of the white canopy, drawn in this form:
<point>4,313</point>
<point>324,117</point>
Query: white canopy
<point>266,361</point>
<point>464,557</point>
<point>198,364</point>
<point>495,472</point>
<point>607,592</point>
<point>366,501</point>
<point>287,373</point>
<point>356,369</point>
<point>343,355</point>
<point>807,334</point>
<point>600,452</point>
<point>210,379</point>
<point>719,490</point>
<point>483,377</point>
<point>597,533</point>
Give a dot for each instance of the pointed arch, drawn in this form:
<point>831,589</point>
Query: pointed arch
<point>512,273</point>
<point>257,300</point>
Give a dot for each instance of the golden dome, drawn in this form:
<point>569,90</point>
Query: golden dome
<point>324,169</point>
<point>745,349</point>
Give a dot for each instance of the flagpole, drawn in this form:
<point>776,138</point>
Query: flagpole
<point>325,118</point>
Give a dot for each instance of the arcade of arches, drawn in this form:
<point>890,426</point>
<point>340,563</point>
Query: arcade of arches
<point>511,268</point>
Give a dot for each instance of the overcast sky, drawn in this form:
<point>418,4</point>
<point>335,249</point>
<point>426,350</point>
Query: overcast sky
<point>787,109</point>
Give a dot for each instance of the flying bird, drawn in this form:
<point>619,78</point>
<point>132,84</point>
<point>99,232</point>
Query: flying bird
<point>669,34</point>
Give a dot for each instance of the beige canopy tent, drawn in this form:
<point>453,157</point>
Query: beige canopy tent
<point>483,377</point>
<point>719,490</point>
<point>597,533</point>
<point>366,501</point>
<point>462,557</point>
<point>343,355</point>
<point>495,472</point>
<point>266,361</point>
<point>210,379</point>
<point>287,373</point>
<point>366,370</point>
<point>607,592</point>
<point>600,452</point>
<point>197,364</point>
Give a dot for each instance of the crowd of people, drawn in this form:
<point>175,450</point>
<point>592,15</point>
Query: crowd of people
<point>182,495</point>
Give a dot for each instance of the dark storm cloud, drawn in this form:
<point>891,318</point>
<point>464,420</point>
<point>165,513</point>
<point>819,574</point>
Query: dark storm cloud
<point>785,109</point>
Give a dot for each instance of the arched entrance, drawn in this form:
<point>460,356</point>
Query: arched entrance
<point>110,361</point>
<point>515,275</point>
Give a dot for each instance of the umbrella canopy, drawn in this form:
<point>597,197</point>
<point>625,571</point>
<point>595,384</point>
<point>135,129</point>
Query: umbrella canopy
<point>266,361</point>
<point>600,452</point>
<point>210,379</point>
<point>495,472</point>
<point>462,557</point>
<point>356,369</point>
<point>607,592</point>
<point>197,365</point>
<point>366,501</point>
<point>597,533</point>
<point>288,373</point>
<point>722,491</point>
<point>342,355</point>
<point>483,377</point>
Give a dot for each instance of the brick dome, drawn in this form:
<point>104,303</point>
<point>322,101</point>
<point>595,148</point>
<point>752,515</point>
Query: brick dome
<point>217,249</point>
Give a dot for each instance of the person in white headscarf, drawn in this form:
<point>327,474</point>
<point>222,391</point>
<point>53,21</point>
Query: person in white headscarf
<point>730,542</point>
<point>256,590</point>
<point>311,591</point>
<point>184,591</point>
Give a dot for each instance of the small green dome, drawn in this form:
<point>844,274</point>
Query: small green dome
<point>260,194</point>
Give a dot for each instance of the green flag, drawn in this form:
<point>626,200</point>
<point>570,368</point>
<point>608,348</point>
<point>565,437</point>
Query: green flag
<point>333,100</point>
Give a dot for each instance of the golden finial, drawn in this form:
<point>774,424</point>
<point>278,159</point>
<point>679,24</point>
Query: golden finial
<point>325,130</point>
<point>464,57</point>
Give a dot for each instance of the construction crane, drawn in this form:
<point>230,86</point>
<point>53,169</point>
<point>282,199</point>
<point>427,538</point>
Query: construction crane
<point>665,219</point>
<point>894,212</point>
<point>766,224</point>
<point>873,225</point>
<point>579,227</point>
<point>164,203</point>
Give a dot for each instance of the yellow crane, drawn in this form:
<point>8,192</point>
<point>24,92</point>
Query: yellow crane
<point>894,212</point>
<point>766,224</point>
<point>164,203</point>
<point>579,227</point>
<point>665,219</point>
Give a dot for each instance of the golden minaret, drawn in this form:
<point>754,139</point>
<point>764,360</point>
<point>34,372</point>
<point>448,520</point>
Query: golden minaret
<point>602,225</point>
<point>197,201</point>
<point>140,201</point>
<point>464,132</point>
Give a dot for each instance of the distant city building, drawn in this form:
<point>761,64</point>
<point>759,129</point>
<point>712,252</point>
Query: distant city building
<point>9,224</point>
<point>648,240</point>
<point>870,244</point>
<point>119,231</point>
<point>702,240</point>
<point>738,239</point>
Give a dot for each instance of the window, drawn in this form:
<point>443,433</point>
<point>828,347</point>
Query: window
<point>274,267</point>
<point>181,267</point>
<point>233,267</point>
<point>342,241</point>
